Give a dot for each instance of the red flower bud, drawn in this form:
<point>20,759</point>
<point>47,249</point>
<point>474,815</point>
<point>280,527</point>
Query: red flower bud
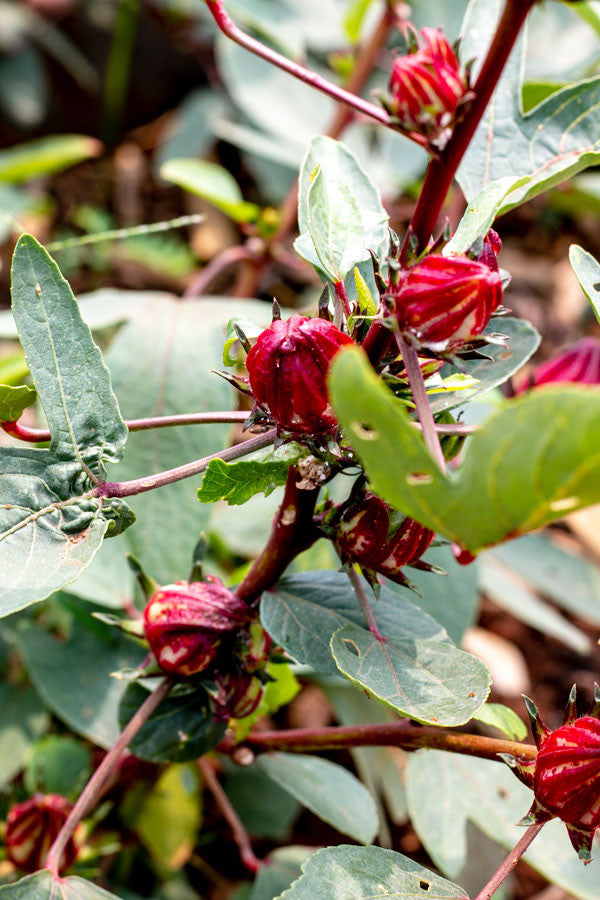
<point>31,829</point>
<point>579,364</point>
<point>184,623</point>
<point>444,301</point>
<point>426,86</point>
<point>253,648</point>
<point>567,773</point>
<point>288,368</point>
<point>492,245</point>
<point>363,535</point>
<point>238,694</point>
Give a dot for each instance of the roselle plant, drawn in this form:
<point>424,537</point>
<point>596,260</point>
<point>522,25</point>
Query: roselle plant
<point>360,415</point>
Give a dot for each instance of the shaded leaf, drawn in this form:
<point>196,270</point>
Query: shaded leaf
<point>24,718</point>
<point>44,156</point>
<point>57,765</point>
<point>168,821</point>
<point>43,886</point>
<point>213,183</point>
<point>282,869</point>
<point>587,271</point>
<point>327,789</point>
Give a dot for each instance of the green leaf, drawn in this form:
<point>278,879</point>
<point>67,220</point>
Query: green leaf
<point>278,692</point>
<point>24,718</point>
<point>180,730</point>
<point>161,361</point>
<point>80,690</point>
<point>303,612</point>
<point>13,400</point>
<point>283,867</point>
<point>213,183</point>
<point>499,491</point>
<point>550,143</point>
<point>328,790</point>
<point>266,810</point>
<point>354,18</point>
<point>340,213</point>
<point>429,681</point>
<point>43,886</point>
<point>523,341</point>
<point>569,579</point>
<point>68,371</point>
<point>364,873</point>
<point>445,790</point>
<point>250,329</point>
<point>501,585</point>
<point>57,765</point>
<point>504,718</point>
<point>587,272</point>
<point>13,368</point>
<point>259,473</point>
<point>45,156</point>
<point>168,820</point>
<point>479,215</point>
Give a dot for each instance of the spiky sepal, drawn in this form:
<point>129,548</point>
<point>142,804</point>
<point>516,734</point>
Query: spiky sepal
<point>539,730</point>
<point>582,843</point>
<point>523,768</point>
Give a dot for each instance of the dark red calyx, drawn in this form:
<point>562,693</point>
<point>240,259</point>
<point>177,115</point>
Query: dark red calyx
<point>31,829</point>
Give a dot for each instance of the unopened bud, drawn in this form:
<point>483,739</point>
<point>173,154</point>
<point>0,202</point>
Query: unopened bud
<point>31,829</point>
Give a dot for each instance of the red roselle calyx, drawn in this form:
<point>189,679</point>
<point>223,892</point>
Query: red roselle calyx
<point>288,368</point>
<point>579,364</point>
<point>565,776</point>
<point>237,694</point>
<point>185,623</point>
<point>426,87</point>
<point>31,829</point>
<point>365,534</point>
<point>492,245</point>
<point>442,302</point>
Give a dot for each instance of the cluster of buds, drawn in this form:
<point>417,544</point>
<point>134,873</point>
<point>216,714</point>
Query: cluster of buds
<point>565,776</point>
<point>31,829</point>
<point>579,364</point>
<point>203,629</point>
<point>287,370</point>
<point>368,531</point>
<point>426,88</point>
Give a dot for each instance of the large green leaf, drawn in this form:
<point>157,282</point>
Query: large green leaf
<point>364,873</point>
<point>24,718</point>
<point>445,790</point>
<point>50,523</point>
<point>43,886</point>
<point>429,681</point>
<point>587,271</point>
<point>45,156</point>
<point>180,730</point>
<point>80,690</point>
<point>161,364</point>
<point>340,214</point>
<point>305,610</point>
<point>523,341</point>
<point>550,143</point>
<point>499,491</point>
<point>328,790</point>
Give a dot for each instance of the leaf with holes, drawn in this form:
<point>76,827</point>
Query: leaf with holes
<point>51,524</point>
<point>499,491</point>
<point>556,139</point>
<point>239,481</point>
<point>430,681</point>
<point>364,873</point>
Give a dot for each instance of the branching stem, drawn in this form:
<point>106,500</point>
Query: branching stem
<point>99,780</point>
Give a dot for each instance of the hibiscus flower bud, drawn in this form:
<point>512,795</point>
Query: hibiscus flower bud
<point>445,301</point>
<point>366,535</point>
<point>426,87</point>
<point>565,775</point>
<point>185,622</point>
<point>492,245</point>
<point>238,694</point>
<point>31,829</point>
<point>288,368</point>
<point>579,364</point>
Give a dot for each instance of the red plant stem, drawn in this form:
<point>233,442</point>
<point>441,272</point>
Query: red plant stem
<point>150,482</point>
<point>442,169</point>
<point>39,435</point>
<point>510,862</point>
<point>342,297</point>
<point>417,386</point>
<point>99,780</point>
<point>240,835</point>
<point>292,532</point>
<point>229,28</point>
<point>365,605</point>
<point>200,284</point>
<point>392,734</point>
